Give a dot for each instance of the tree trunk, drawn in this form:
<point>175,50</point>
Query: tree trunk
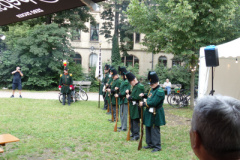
<point>48,19</point>
<point>192,89</point>
<point>116,19</point>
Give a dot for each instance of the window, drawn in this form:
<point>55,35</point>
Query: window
<point>93,60</point>
<point>162,60</point>
<point>176,62</point>
<point>78,58</point>
<point>76,35</point>
<point>137,37</point>
<point>94,33</point>
<point>130,60</point>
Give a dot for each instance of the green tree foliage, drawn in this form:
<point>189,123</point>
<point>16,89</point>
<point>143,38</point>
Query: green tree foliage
<point>182,27</point>
<point>39,45</point>
<point>114,17</point>
<point>177,75</point>
<point>40,56</point>
<point>116,58</point>
<point>77,71</point>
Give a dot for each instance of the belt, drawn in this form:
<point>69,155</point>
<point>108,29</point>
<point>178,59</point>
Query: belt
<point>65,84</point>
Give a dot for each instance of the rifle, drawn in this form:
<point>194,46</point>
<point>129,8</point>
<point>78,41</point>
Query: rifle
<point>115,127</point>
<point>141,137</point>
<point>129,119</point>
<point>109,86</point>
<point>111,108</point>
<point>108,108</point>
<point>105,97</point>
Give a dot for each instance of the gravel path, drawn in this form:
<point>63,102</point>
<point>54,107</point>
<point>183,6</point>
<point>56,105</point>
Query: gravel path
<point>46,95</point>
<point>42,95</point>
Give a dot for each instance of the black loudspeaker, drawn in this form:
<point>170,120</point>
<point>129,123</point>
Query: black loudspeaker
<point>211,56</point>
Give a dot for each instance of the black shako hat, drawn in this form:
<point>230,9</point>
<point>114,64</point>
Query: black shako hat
<point>114,71</point>
<point>130,76</point>
<point>122,70</point>
<point>152,77</point>
<point>66,68</point>
<point>107,67</point>
<point>110,68</point>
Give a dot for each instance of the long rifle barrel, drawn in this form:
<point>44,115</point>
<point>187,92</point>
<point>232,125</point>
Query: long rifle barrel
<point>111,108</point>
<point>140,141</point>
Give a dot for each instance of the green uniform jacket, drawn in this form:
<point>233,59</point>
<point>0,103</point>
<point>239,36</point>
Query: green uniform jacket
<point>65,82</point>
<point>104,81</point>
<point>136,90</point>
<point>155,99</point>
<point>125,85</point>
<point>107,94</point>
<point>116,83</point>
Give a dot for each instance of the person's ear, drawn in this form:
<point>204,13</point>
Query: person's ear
<point>195,142</point>
<point>197,139</point>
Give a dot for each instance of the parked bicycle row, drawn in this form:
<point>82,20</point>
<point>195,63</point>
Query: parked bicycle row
<point>180,97</point>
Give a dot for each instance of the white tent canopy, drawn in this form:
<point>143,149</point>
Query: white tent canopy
<point>226,75</point>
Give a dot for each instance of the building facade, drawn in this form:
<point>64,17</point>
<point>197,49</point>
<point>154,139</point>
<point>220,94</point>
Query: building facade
<point>87,47</point>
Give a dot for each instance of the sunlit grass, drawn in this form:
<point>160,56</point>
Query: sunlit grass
<point>48,130</point>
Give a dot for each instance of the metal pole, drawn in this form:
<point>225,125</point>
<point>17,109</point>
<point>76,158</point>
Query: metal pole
<point>212,82</point>
<point>99,74</point>
<point>99,96</point>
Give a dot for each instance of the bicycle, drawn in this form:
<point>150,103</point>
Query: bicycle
<point>81,94</point>
<point>172,94</point>
<point>74,96</point>
<point>179,99</point>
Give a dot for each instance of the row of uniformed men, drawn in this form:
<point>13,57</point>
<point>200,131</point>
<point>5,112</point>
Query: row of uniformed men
<point>129,89</point>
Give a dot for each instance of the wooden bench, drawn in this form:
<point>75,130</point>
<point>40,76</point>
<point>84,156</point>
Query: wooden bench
<point>83,84</point>
<point>173,86</point>
<point>7,138</point>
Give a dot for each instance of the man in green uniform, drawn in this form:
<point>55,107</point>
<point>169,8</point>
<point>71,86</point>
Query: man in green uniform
<point>154,116</point>
<point>103,85</point>
<point>134,99</point>
<point>65,85</point>
<point>125,85</point>
<point>115,83</point>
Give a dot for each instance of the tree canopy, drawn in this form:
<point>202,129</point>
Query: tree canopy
<point>40,45</point>
<point>115,18</point>
<point>186,25</point>
<point>181,27</point>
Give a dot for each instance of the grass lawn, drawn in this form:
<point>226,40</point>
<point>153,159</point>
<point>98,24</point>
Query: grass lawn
<point>48,130</point>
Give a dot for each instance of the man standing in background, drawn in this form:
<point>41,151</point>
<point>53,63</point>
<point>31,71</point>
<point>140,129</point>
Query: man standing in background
<point>66,86</point>
<point>17,74</point>
<point>103,87</point>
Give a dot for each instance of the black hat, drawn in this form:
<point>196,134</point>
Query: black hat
<point>152,77</point>
<point>66,68</point>
<point>130,76</point>
<point>107,67</point>
<point>122,70</point>
<point>110,68</point>
<point>114,71</point>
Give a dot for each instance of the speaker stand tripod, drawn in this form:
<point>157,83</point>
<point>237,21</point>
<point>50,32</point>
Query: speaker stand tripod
<point>212,91</point>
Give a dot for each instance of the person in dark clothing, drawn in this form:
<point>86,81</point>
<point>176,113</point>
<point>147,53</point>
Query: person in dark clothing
<point>17,74</point>
<point>154,115</point>
<point>66,86</point>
